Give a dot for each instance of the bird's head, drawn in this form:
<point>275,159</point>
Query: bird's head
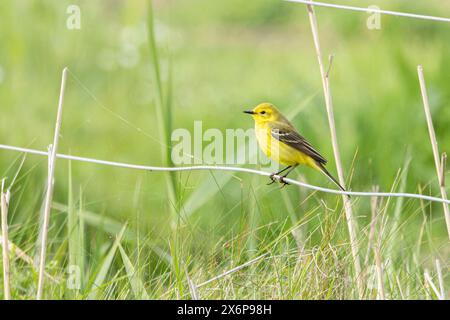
<point>264,112</point>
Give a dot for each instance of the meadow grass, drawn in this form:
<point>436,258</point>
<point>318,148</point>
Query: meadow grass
<point>121,234</point>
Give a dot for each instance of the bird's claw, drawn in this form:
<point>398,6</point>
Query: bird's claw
<point>272,178</point>
<point>284,182</point>
<point>280,179</point>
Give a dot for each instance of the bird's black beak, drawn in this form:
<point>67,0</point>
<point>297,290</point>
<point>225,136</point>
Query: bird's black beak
<point>249,112</point>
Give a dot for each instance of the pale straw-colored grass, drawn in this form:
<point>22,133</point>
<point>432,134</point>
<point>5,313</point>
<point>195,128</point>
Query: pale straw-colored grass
<point>4,197</point>
<point>50,183</point>
<point>439,164</point>
<point>351,222</point>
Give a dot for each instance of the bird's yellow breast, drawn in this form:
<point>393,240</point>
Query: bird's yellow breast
<point>279,151</point>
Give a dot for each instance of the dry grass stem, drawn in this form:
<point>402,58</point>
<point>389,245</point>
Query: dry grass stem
<point>6,268</point>
<point>19,253</point>
<point>439,162</point>
<point>374,204</point>
<point>351,223</point>
<point>192,287</point>
<point>443,168</point>
<point>379,270</point>
<point>378,259</point>
<point>50,183</point>
<point>430,282</point>
<point>232,270</point>
<point>440,279</point>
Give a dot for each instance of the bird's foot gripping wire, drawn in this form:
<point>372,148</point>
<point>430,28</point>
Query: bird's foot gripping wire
<point>272,177</point>
<point>284,182</point>
<point>280,179</point>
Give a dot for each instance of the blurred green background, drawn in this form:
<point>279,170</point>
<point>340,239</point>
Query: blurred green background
<point>218,58</point>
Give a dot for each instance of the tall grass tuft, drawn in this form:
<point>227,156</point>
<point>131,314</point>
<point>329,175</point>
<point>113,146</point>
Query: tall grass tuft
<point>163,106</point>
<point>99,283</point>
<point>75,233</point>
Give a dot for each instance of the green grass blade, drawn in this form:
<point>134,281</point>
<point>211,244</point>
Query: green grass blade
<point>73,228</point>
<point>100,222</point>
<point>207,189</point>
<point>163,111</point>
<point>106,265</point>
<point>81,262</point>
<point>74,249</point>
<point>137,286</point>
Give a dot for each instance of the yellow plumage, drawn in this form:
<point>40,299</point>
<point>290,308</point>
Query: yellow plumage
<point>277,150</point>
<point>280,141</point>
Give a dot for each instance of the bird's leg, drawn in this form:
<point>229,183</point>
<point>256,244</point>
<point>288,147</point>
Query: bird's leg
<point>272,176</point>
<point>282,181</point>
<point>285,175</point>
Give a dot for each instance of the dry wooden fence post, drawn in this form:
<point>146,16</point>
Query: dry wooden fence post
<point>439,163</point>
<point>329,105</point>
<point>5,241</point>
<point>50,183</point>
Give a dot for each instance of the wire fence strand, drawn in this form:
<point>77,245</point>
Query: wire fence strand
<point>224,168</point>
<point>372,10</point>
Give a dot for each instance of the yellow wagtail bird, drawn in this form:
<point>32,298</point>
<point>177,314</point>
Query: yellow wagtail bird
<point>280,141</point>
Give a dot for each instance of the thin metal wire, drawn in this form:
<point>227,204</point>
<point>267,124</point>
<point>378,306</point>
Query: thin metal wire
<point>224,168</point>
<point>372,10</point>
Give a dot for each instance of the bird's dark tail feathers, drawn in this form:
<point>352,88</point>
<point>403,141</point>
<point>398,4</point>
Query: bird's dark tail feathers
<point>325,171</point>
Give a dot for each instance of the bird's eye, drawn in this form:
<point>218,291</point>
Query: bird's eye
<point>263,112</point>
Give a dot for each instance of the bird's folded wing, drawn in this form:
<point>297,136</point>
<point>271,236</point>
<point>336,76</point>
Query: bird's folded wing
<point>293,139</point>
